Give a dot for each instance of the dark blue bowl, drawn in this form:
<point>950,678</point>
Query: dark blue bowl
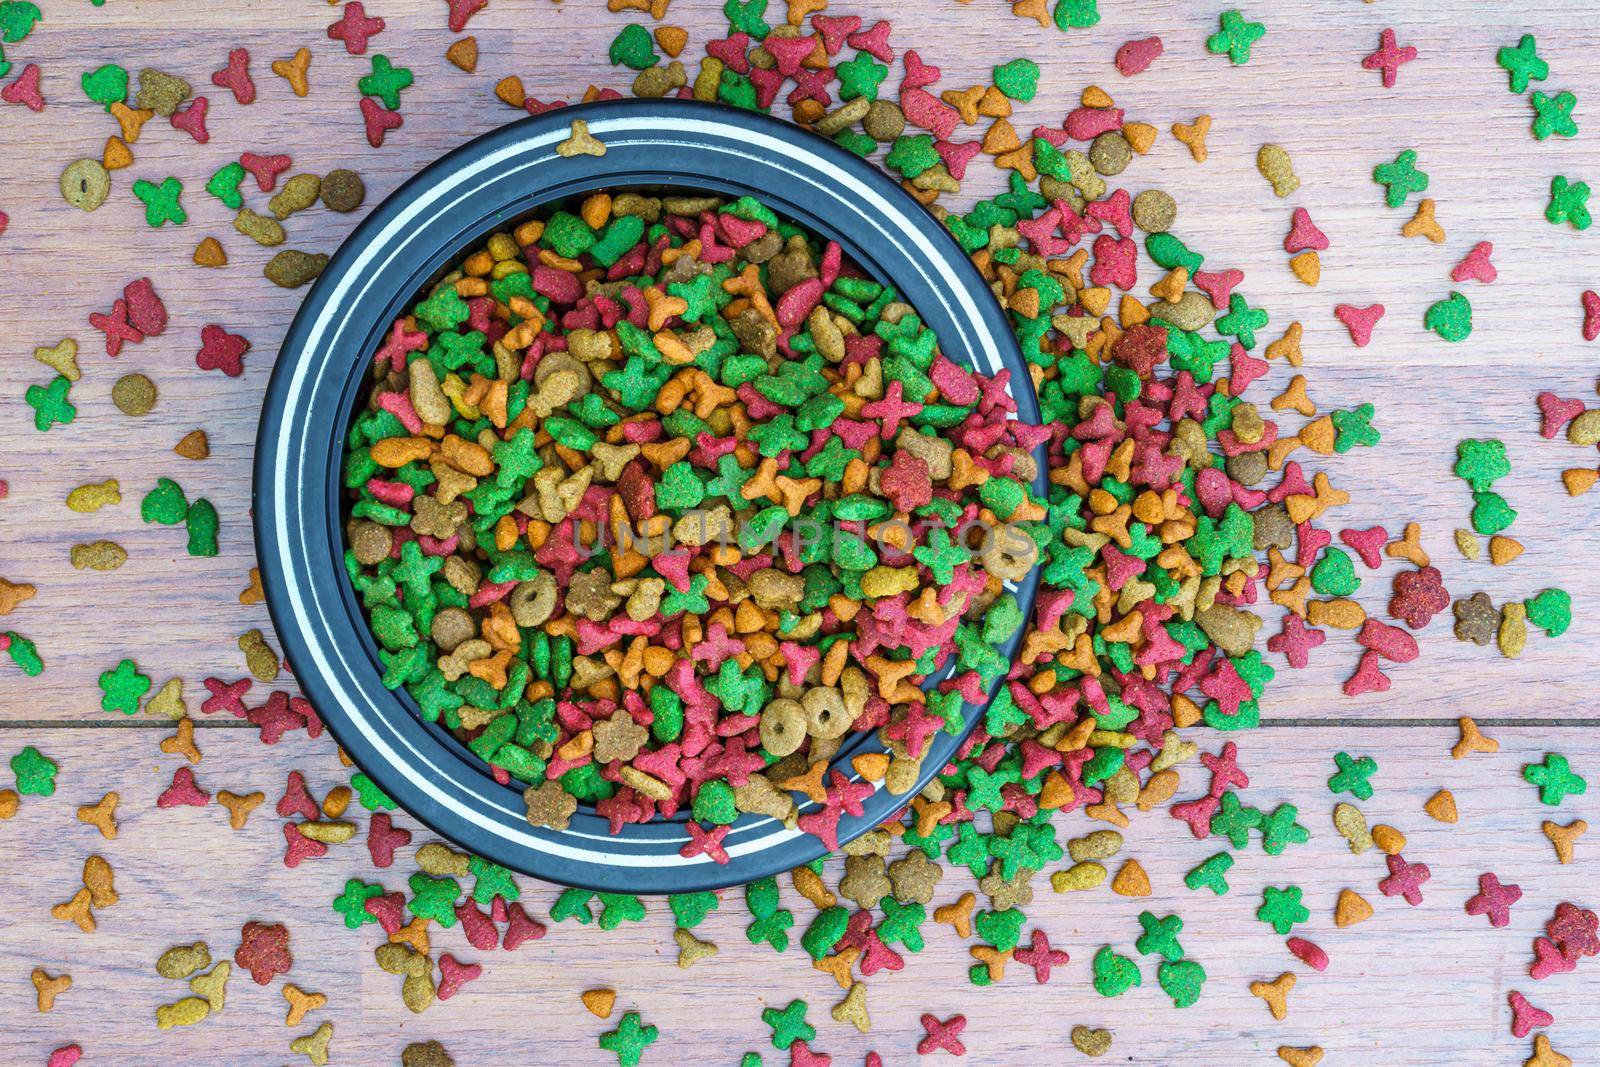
<point>406,243</point>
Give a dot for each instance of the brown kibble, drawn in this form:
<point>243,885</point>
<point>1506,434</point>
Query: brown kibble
<point>97,878</point>
<point>1307,266</point>
<point>425,1054</point>
<point>1091,1041</point>
<point>1424,223</point>
<point>116,154</point>
<point>185,1012</point>
<point>672,39</point>
<point>463,54</point>
<point>510,92</point>
<point>47,989</point>
<point>213,986</point>
<point>239,807</point>
<point>1351,909</point>
<point>809,884</point>
<point>839,965</point>
<point>1442,806</point>
<point>98,556</point>
<point>1409,547</point>
<point>168,700</point>
<point>259,228</point>
<point>958,914</point>
<point>258,656</point>
<point>252,593</point>
<point>1503,549</point>
<point>343,190</point>
<point>337,802</point>
<point>1194,136</point>
<point>181,961</point>
<point>853,1008</point>
<point>182,742</point>
<point>1387,838</point>
<point>1300,1057</point>
<point>9,802</point>
<point>1275,993</point>
<point>293,268</point>
<point>85,184</point>
<point>1131,881</point>
<point>12,594</point>
<point>301,1002</point>
<point>1352,826</point>
<point>1579,480</point>
<point>294,70</point>
<point>1564,837</point>
<point>194,445</point>
<point>297,194</point>
<point>76,910</point>
<point>102,815</point>
<point>691,950</point>
<point>599,1002</point>
<point>209,253</point>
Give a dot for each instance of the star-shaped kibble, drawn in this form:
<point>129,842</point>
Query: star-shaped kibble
<point>1281,909</point>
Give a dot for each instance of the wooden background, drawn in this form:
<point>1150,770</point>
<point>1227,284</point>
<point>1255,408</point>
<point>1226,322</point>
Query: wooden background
<point>1416,986</point>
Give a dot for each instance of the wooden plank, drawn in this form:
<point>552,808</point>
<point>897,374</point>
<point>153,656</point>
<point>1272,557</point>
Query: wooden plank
<point>183,875</point>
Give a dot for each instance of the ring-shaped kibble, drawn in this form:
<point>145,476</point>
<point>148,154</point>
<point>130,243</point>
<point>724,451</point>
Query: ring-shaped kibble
<point>651,472</point>
<point>85,184</point>
<point>783,726</point>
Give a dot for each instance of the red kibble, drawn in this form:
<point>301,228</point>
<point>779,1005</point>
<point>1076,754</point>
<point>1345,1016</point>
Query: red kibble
<point>1359,321</point>
<point>183,792</point>
<point>235,77</point>
<point>221,350</point>
<point>263,951</point>
<point>1135,57</point>
<point>25,90</point>
<point>383,838</point>
<point>355,29</point>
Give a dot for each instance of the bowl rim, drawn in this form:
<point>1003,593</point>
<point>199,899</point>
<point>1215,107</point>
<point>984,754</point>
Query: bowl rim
<point>410,238</point>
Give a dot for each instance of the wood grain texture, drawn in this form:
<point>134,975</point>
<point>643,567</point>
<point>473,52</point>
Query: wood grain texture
<point>1411,987</point>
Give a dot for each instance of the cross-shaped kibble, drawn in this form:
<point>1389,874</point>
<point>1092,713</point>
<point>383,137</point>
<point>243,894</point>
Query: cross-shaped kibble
<point>161,202</point>
<point>355,29</point>
<point>944,1035</point>
<point>1555,778</point>
<point>1553,115</point>
<point>1352,775</point>
<point>1389,58</point>
<point>1569,202</point>
<point>1405,879</point>
<point>50,404</point>
<point>1493,899</point>
<point>1401,178</point>
<point>1275,993</point>
<point>1235,37</point>
<point>1522,63</point>
<point>629,1039</point>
